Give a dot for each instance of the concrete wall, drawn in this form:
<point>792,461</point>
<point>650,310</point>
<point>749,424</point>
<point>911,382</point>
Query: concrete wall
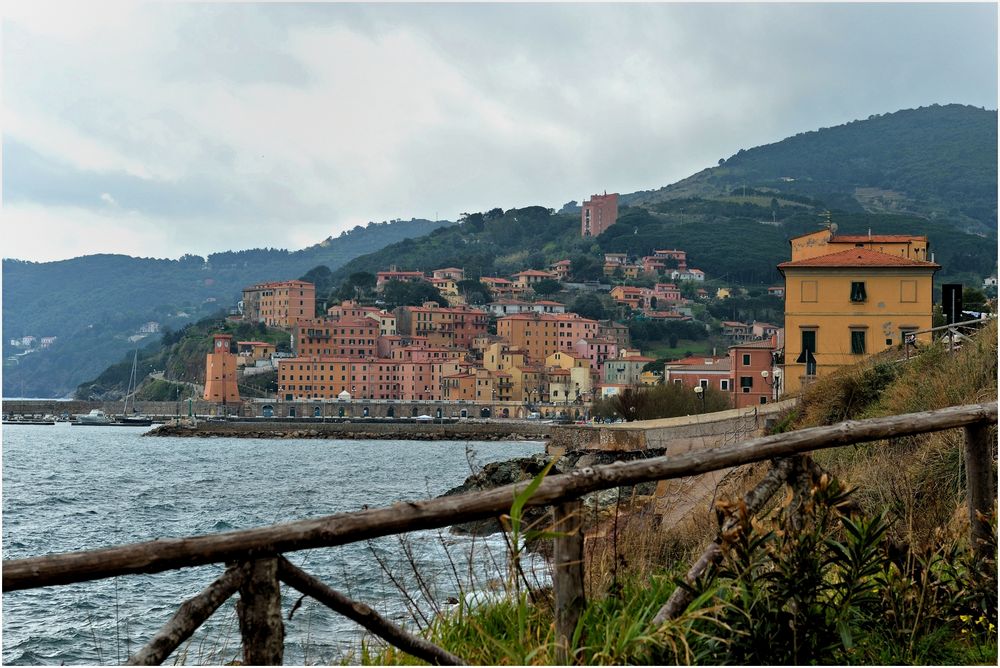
<point>676,435</point>
<point>485,431</point>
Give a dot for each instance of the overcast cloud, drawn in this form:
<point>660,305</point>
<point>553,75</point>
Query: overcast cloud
<point>163,129</point>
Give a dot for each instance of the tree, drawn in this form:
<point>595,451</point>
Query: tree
<point>589,305</point>
<point>398,293</point>
<point>586,268</point>
<point>474,291</point>
<point>547,287</point>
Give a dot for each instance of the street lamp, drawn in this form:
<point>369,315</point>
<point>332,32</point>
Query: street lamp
<point>700,393</point>
<point>774,383</point>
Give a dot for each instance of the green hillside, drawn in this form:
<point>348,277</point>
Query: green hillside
<point>938,162</point>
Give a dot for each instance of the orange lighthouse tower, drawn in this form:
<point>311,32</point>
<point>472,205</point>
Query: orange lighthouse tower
<point>220,372</point>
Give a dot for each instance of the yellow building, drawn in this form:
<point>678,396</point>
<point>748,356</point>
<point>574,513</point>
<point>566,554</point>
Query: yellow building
<point>827,241</point>
<point>849,303</point>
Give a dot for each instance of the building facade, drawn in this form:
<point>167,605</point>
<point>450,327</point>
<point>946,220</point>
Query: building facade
<point>848,304</point>
<point>279,304</point>
<point>220,372</point>
<point>599,213</point>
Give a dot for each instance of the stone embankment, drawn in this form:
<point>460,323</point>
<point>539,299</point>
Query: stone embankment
<point>459,431</point>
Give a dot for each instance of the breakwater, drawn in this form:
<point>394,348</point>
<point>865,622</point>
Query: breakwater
<point>423,431</point>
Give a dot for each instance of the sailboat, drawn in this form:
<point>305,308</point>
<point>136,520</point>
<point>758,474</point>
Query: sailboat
<point>133,420</point>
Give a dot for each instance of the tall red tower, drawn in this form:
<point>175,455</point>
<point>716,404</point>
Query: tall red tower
<point>598,214</point>
<point>220,372</point>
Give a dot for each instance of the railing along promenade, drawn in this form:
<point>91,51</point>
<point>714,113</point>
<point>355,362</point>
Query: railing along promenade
<point>255,565</point>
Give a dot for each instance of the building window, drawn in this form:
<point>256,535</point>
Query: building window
<point>858,291</point>
<point>763,400</point>
<point>809,340</point>
<point>703,383</point>
<point>746,384</point>
<point>746,359</point>
<point>857,342</point>
<point>724,385</point>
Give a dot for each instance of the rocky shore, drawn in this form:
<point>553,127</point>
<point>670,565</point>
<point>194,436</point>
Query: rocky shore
<point>498,474</point>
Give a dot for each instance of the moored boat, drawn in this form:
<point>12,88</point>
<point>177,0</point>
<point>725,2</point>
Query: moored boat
<point>96,417</point>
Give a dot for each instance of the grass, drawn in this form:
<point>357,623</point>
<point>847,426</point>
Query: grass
<point>662,350</point>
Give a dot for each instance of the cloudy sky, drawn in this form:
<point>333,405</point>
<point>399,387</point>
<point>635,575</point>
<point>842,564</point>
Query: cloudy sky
<point>163,129</point>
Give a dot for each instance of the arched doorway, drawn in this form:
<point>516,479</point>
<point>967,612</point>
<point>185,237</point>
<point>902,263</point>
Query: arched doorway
<point>317,411</point>
<point>464,413</point>
<point>291,411</point>
<point>267,411</point>
<point>505,413</point>
<point>413,413</point>
<point>391,411</point>
<point>485,413</point>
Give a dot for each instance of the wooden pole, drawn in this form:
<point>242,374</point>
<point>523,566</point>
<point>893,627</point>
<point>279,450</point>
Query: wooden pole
<point>166,554</point>
<point>754,500</point>
<point>567,578</point>
<point>978,471</point>
<point>192,614</point>
<point>365,616</point>
<point>259,610</point>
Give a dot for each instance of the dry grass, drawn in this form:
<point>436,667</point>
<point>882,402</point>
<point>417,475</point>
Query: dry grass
<point>920,480</point>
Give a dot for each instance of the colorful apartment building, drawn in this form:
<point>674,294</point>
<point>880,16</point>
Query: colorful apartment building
<point>333,378</point>
<point>677,256</point>
<point>598,214</point>
<point>852,301</point>
<point>279,304</point>
<point>541,334</point>
<point>596,351</point>
<point>625,369</point>
<point>220,372</point>
<point>355,338</point>
<point>530,277</point>
<point>500,287</point>
<point>451,327</point>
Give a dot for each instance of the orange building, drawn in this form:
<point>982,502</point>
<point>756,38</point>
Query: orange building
<point>315,377</point>
<point>598,214</point>
<point>827,241</point>
<point>451,327</point>
<point>279,304</point>
<point>541,334</point>
<point>220,372</point>
<point>356,338</point>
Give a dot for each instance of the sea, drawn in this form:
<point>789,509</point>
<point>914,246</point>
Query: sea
<point>68,488</point>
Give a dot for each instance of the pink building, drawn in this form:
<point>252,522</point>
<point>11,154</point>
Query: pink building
<point>383,277</point>
<point>599,213</point>
<point>747,361</point>
<point>596,351</point>
<point>707,372</point>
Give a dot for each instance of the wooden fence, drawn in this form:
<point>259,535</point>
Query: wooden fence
<point>255,564</point>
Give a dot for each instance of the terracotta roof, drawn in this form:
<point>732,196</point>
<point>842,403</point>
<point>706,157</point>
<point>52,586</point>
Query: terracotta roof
<point>859,257</point>
<point>876,238</point>
<point>766,343</point>
<point>721,366</point>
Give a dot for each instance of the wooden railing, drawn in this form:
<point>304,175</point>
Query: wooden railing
<point>255,564</point>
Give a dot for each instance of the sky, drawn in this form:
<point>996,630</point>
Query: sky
<point>161,129</point>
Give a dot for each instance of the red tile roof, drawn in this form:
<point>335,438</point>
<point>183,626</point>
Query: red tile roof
<point>876,238</point>
<point>859,257</point>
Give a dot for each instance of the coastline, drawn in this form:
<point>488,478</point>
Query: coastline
<point>458,431</point>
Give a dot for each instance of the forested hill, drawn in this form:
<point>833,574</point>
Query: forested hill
<point>94,303</point>
<point>938,162</point>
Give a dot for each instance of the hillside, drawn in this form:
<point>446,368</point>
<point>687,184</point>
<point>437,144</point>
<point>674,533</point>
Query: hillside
<point>94,303</point>
<point>937,162</point>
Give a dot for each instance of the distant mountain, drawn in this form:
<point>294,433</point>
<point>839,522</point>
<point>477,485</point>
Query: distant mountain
<point>937,162</point>
<point>93,304</point>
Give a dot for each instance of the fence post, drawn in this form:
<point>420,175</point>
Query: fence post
<point>980,485</point>
<point>567,581</point>
<point>259,610</point>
